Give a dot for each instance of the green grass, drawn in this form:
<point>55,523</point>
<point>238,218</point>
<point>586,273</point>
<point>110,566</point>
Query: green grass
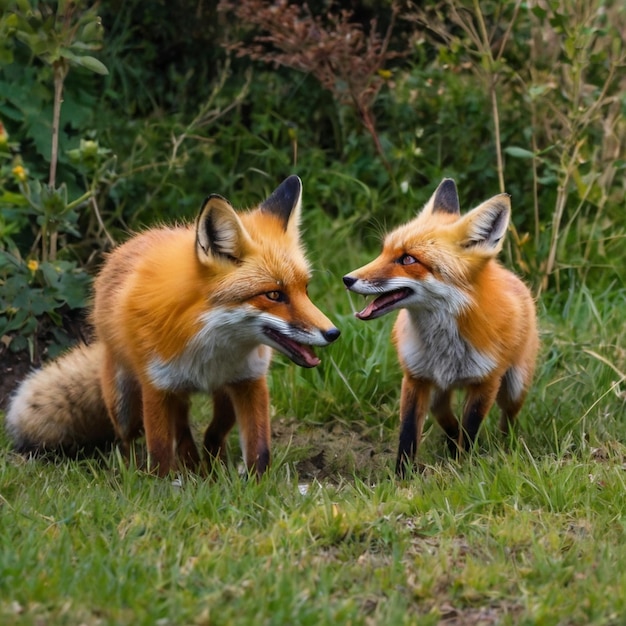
<point>528,533</point>
<point>521,539</point>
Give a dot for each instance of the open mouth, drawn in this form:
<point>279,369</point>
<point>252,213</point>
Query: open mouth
<point>383,304</point>
<point>299,353</point>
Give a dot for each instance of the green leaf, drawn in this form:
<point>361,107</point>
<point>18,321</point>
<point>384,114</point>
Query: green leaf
<point>90,63</point>
<point>6,56</point>
<point>18,343</point>
<point>11,198</point>
<point>92,32</point>
<point>539,12</point>
<point>519,153</point>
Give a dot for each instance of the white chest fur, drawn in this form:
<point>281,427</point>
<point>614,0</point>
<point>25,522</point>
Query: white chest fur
<point>431,347</point>
<point>226,349</point>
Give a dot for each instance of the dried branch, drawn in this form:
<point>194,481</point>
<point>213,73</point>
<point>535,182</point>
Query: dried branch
<point>333,48</point>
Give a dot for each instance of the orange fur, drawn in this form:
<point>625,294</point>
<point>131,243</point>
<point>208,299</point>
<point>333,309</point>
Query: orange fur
<point>464,322</point>
<point>184,309</point>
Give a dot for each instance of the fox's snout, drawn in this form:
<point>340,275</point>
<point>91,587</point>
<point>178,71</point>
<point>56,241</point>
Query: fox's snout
<point>331,334</point>
<point>348,281</point>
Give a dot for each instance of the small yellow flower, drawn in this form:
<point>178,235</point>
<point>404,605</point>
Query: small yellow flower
<point>33,265</point>
<point>20,173</point>
<point>385,74</point>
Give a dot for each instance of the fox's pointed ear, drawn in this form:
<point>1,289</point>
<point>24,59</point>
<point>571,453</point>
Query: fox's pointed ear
<point>219,231</point>
<point>485,226</point>
<point>446,198</point>
<point>285,202</point>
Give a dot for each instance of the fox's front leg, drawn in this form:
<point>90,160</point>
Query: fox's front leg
<point>251,402</point>
<point>186,449</point>
<point>122,397</point>
<point>165,419</point>
<point>441,409</point>
<point>414,402</point>
<point>223,420</point>
<point>480,399</point>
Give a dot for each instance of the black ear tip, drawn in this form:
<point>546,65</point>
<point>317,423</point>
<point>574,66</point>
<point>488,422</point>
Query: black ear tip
<point>292,185</point>
<point>447,187</point>
<point>284,199</point>
<point>446,197</point>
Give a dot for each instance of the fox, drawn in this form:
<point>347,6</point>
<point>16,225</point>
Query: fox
<point>465,321</point>
<point>178,310</point>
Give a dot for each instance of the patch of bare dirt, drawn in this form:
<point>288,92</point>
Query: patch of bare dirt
<point>332,450</point>
<point>479,616</point>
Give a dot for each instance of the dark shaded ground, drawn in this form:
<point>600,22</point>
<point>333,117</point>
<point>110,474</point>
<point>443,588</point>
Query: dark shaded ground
<point>13,368</point>
<point>15,365</point>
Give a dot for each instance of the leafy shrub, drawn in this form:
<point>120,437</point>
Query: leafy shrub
<point>372,119</point>
<point>41,44</point>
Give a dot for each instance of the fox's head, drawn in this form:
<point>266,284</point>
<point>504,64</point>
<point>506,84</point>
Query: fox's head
<point>259,274</point>
<point>432,261</point>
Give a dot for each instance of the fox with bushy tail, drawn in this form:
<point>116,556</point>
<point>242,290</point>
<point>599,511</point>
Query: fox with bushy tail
<point>179,310</point>
<point>464,322</point>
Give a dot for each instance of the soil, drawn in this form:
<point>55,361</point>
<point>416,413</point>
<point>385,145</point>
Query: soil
<point>333,451</point>
<point>16,365</point>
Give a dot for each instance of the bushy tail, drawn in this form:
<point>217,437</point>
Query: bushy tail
<point>60,408</point>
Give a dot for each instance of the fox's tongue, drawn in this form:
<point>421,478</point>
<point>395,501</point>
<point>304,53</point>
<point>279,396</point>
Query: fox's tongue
<point>306,356</point>
<point>379,306</point>
<point>299,353</point>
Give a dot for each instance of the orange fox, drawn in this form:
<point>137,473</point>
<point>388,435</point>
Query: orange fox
<point>465,321</point>
<point>178,310</point>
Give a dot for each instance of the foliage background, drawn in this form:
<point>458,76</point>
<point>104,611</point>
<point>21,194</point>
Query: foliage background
<point>165,102</point>
<point>184,99</point>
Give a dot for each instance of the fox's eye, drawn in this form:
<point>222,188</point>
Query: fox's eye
<point>407,259</point>
<point>275,296</point>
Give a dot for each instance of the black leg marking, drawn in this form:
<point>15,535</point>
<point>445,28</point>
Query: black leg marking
<point>472,420</point>
<point>262,462</point>
<point>128,406</point>
<point>221,424</point>
<point>408,439</point>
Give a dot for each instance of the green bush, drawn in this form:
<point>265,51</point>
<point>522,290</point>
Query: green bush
<point>40,110</point>
<point>500,96</point>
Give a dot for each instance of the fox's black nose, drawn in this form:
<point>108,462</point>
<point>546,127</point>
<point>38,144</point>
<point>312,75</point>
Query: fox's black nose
<point>331,334</point>
<point>348,281</point>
